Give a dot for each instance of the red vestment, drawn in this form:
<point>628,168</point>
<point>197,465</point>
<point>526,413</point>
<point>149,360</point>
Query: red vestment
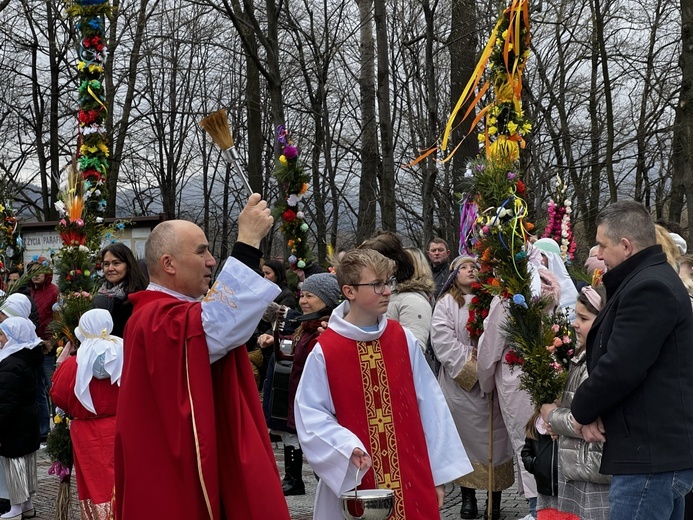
<point>372,388</point>
<point>191,440</point>
<point>92,437</point>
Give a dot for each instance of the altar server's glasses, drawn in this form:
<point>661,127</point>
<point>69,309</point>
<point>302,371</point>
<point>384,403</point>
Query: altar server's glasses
<point>379,287</point>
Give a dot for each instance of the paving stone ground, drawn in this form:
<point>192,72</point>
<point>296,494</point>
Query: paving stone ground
<point>513,506</point>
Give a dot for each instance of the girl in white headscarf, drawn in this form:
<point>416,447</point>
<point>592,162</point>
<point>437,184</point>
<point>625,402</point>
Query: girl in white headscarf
<point>19,421</point>
<point>14,306</point>
<point>86,386</point>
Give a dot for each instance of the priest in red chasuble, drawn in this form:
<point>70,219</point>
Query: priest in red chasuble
<point>367,398</point>
<point>191,440</point>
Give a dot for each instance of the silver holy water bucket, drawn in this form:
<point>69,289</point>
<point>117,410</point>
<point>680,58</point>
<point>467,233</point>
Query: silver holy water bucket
<point>368,504</point>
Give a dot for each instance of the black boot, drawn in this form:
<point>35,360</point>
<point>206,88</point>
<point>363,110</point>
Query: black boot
<point>287,480</point>
<point>495,506</point>
<point>293,466</point>
<point>469,509</point>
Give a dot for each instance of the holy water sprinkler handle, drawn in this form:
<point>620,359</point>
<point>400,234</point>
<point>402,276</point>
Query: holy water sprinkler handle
<point>232,157</point>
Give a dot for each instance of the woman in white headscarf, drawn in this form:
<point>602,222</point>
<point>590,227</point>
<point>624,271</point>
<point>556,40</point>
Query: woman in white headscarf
<point>12,306</point>
<point>86,387</point>
<point>551,252</point>
<point>19,420</point>
<point>16,305</point>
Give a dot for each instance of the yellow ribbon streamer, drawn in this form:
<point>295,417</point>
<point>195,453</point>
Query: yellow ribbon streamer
<point>96,98</point>
<point>471,84</point>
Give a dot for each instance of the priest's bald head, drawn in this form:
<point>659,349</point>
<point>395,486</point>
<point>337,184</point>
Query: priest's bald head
<point>178,258</point>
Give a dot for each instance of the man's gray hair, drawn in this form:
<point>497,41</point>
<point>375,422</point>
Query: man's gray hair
<point>161,241</point>
<point>628,219</point>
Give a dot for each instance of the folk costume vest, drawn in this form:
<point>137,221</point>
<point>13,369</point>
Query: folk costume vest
<point>372,388</point>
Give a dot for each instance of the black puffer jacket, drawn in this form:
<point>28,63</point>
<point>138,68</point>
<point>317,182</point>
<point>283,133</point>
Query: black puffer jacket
<point>19,420</point>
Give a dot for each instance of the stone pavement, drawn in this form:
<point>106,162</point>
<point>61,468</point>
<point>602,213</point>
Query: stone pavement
<point>301,507</point>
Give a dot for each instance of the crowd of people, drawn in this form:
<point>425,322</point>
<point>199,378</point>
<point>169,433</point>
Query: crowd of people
<point>368,372</point>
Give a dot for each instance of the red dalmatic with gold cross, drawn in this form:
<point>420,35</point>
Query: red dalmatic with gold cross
<point>372,388</point>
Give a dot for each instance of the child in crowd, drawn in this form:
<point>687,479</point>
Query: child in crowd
<point>583,492</point>
<point>368,398</point>
<point>540,458</point>
<point>86,386</point>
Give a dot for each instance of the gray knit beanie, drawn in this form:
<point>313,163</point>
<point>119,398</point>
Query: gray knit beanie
<point>325,287</point>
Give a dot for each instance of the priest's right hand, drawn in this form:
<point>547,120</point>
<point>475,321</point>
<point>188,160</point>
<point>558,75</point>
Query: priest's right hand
<point>361,459</point>
<point>255,221</point>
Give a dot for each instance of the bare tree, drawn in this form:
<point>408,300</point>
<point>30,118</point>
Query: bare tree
<point>124,39</point>
<point>368,191</point>
<point>682,153</point>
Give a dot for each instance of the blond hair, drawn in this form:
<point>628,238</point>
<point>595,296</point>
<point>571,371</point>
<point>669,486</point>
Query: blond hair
<point>422,269</point>
<point>668,246</point>
<point>353,263</point>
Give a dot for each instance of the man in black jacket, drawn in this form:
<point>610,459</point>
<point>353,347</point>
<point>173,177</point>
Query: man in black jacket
<point>439,255</point>
<point>640,359</point>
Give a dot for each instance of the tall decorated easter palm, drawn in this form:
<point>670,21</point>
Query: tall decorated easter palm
<point>81,207</point>
<point>495,222</point>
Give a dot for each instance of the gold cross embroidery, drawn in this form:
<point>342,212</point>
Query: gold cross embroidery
<point>221,293</point>
<point>380,421</point>
<point>389,483</point>
<point>371,358</point>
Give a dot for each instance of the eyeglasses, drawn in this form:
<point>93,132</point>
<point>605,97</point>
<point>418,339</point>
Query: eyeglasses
<point>379,287</point>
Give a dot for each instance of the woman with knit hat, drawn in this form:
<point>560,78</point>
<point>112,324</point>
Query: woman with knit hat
<point>470,407</point>
<point>19,421</point>
<point>320,295</point>
<point>86,386</point>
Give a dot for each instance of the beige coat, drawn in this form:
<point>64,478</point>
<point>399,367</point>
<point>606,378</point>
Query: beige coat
<point>411,307</point>
<point>495,374</point>
<point>470,409</point>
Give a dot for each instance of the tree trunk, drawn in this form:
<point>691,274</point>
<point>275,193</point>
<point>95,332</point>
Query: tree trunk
<point>430,166</point>
<point>118,141</point>
<point>610,130</point>
<point>463,56</point>
<point>53,118</point>
<point>254,110</point>
<point>595,135</point>
<point>243,19</point>
<point>368,190</point>
<point>682,154</point>
<point>387,180</point>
